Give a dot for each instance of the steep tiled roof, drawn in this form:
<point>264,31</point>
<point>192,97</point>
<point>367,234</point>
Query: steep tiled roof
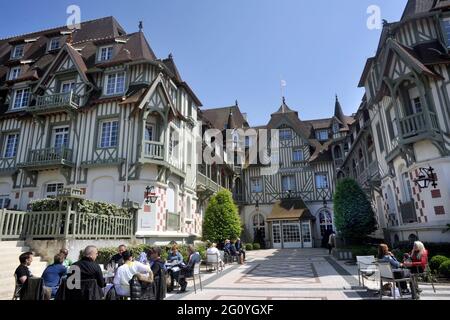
<point>219,117</point>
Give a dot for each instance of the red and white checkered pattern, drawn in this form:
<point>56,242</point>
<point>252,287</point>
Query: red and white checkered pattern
<point>161,205</point>
<point>419,203</point>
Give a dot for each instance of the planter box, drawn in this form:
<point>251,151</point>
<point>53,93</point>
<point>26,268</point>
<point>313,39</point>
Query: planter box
<point>342,254</point>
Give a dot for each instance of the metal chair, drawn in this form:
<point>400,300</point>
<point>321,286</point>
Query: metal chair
<point>366,267</point>
<point>214,260</point>
<point>17,288</point>
<point>196,273</point>
<point>387,275</point>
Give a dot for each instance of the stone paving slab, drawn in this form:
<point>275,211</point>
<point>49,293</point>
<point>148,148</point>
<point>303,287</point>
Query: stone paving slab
<point>290,274</point>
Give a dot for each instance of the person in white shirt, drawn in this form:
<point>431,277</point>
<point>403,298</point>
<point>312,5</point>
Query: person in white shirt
<point>213,250</point>
<point>126,272</point>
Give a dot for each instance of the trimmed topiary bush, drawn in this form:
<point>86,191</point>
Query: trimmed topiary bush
<point>256,246</point>
<point>222,219</point>
<point>444,268</point>
<point>249,247</point>
<point>353,212</point>
<point>436,262</point>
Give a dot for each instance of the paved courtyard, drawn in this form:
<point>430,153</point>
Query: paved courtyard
<point>297,274</point>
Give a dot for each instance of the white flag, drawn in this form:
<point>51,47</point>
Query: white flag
<point>283,83</point>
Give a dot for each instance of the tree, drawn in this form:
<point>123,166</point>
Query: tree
<point>221,219</point>
<point>353,214</point>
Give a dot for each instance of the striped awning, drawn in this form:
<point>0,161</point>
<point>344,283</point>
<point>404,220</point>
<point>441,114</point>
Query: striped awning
<point>290,210</point>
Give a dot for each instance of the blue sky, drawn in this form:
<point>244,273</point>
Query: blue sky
<point>241,49</point>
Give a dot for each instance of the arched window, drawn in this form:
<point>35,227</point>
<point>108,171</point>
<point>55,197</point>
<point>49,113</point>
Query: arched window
<point>171,199</point>
<point>259,224</point>
<point>188,208</point>
<point>326,221</point>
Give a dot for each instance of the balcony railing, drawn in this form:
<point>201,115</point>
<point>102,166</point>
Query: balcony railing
<point>172,222</point>
<point>55,101</point>
<point>205,182</point>
<point>408,212</point>
<point>417,123</point>
<point>154,150</point>
<point>48,156</point>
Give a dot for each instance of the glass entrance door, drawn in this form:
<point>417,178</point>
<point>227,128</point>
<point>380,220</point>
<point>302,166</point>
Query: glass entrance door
<point>276,235</point>
<point>306,234</point>
<point>291,235</point>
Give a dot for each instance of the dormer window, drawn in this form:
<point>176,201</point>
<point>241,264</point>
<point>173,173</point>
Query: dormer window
<point>18,51</point>
<point>322,135</point>
<point>21,98</point>
<point>335,127</point>
<point>115,83</point>
<point>14,73</point>
<point>285,134</point>
<point>105,53</point>
<point>54,44</point>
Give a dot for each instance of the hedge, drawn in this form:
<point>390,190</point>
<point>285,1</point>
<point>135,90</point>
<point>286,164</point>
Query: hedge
<point>105,254</point>
<point>249,247</point>
<point>436,262</point>
<point>84,206</point>
<point>444,269</point>
<point>256,246</point>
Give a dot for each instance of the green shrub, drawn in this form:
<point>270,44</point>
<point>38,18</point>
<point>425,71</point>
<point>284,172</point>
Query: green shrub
<point>444,268</point>
<point>221,219</point>
<point>249,247</point>
<point>256,246</point>
<point>436,262</point>
<point>353,212</point>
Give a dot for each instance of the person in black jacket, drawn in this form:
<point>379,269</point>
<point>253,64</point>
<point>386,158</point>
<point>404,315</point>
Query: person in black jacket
<point>117,258</point>
<point>159,273</point>
<point>90,269</point>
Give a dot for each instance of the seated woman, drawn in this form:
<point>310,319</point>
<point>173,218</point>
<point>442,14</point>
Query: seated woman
<point>54,273</point>
<point>126,272</point>
<point>174,257</point>
<point>384,255</point>
<point>213,250</point>
<point>417,260</point>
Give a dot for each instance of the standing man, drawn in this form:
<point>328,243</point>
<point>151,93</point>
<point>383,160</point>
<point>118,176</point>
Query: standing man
<point>331,241</point>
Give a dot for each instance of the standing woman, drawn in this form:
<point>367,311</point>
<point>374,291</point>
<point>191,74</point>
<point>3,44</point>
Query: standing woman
<point>331,241</point>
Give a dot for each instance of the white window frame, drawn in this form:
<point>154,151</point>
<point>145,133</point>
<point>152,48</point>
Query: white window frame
<point>294,152</point>
<point>446,30</point>
<point>100,136</point>
<point>52,194</point>
<point>319,134</point>
<point>108,54</point>
<point>414,105</point>
<point>285,134</point>
<point>14,73</point>
<point>8,154</point>
<point>116,89</point>
<point>72,84</point>
<point>52,41</point>
<point>14,51</point>
<point>3,200</point>
<point>323,184</point>
<point>22,100</point>
<point>256,185</point>
<point>152,126</point>
<point>55,133</point>
<point>292,185</point>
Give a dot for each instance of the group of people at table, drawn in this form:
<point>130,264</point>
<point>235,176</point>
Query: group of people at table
<point>414,262</point>
<point>121,268</point>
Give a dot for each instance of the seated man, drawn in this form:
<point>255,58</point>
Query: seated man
<point>240,250</point>
<point>126,272</point>
<point>188,270</point>
<point>89,269</point>
<point>54,273</point>
<point>229,249</point>
<point>117,259</point>
<point>213,250</point>
<point>159,273</point>
<point>22,272</point>
<point>67,262</point>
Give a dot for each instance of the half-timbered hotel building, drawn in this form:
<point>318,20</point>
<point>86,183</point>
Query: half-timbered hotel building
<point>404,125</point>
<point>95,109</point>
<point>292,207</point>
